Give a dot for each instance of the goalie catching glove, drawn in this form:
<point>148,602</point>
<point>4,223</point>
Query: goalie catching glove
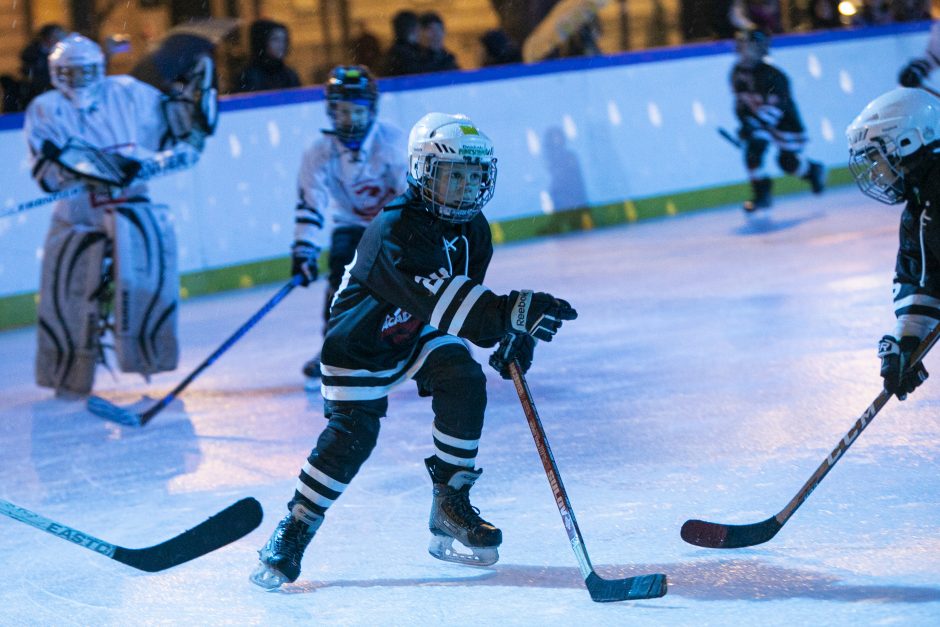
<point>899,378</point>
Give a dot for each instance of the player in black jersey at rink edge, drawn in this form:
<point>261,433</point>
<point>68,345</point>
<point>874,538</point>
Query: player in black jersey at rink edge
<point>768,113</point>
<point>408,301</point>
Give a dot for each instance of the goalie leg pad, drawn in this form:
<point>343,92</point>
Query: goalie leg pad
<point>68,335</point>
<point>146,288</point>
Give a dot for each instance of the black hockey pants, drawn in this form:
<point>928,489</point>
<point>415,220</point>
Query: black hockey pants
<point>457,387</point>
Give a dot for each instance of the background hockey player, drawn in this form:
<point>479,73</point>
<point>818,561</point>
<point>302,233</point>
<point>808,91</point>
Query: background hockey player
<point>917,70</point>
<point>768,114</point>
<point>893,155</point>
<point>413,290</point>
<point>91,132</point>
<point>346,177</point>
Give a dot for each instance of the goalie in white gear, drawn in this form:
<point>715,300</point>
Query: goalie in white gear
<point>108,245</point>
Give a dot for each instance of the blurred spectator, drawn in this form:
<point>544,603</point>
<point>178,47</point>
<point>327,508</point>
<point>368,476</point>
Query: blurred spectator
<point>498,49</point>
<point>34,69</point>
<point>760,15</point>
<point>571,29</point>
<point>266,69</point>
<point>434,56</point>
<point>366,48</point>
<point>877,12</point>
<point>911,10</point>
<point>403,57</point>
<point>824,14</point>
<point>519,18</point>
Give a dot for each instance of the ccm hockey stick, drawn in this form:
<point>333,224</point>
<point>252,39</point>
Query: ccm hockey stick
<point>718,536</point>
<point>232,523</point>
<point>108,410</point>
<point>602,590</point>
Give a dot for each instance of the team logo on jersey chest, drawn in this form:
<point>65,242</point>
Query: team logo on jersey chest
<point>433,283</point>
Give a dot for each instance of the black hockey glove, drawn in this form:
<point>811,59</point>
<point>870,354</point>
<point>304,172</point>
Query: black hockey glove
<point>914,73</point>
<point>895,357</point>
<point>538,314</point>
<point>304,258</point>
<point>520,347</point>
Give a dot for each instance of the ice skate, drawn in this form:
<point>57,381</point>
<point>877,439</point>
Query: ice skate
<point>279,560</point>
<point>454,518</point>
<point>311,371</point>
<point>761,198</point>
<point>816,177</point>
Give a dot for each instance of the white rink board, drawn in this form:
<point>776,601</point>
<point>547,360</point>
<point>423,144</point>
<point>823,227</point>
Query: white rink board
<point>633,130</point>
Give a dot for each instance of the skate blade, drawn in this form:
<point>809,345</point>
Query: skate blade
<point>442,547</point>
<point>267,578</point>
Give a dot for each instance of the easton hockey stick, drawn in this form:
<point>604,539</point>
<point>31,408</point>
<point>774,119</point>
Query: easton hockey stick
<point>108,410</point>
<point>160,165</point>
<point>232,523</point>
<point>602,590</point>
<point>719,536</point>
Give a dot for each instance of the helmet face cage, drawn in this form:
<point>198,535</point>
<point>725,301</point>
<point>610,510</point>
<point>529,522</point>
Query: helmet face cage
<point>890,141</point>
<point>436,174</point>
<point>351,84</point>
<point>878,173</point>
<point>76,68</point>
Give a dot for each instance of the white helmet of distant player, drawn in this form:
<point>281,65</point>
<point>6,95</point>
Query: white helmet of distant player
<point>76,67</point>
<point>889,141</point>
<point>453,166</point>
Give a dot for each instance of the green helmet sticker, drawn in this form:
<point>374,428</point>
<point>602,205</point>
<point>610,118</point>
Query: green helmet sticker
<point>469,130</point>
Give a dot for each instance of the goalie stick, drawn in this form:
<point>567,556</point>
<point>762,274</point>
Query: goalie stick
<point>108,410</point>
<point>157,166</point>
<point>719,536</point>
<point>232,523</point>
<point>601,590</point>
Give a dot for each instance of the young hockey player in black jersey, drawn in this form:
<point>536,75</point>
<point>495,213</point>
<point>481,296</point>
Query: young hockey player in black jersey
<point>767,113</point>
<point>411,296</point>
<point>346,177</point>
<point>894,155</point>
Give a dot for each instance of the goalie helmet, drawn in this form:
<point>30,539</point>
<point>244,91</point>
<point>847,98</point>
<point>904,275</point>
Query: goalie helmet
<point>452,165</point>
<point>76,68</point>
<point>353,84</point>
<point>890,140</point>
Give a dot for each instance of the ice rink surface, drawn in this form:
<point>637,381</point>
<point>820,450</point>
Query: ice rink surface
<point>717,360</point>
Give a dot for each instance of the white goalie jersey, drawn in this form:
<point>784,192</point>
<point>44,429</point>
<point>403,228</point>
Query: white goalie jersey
<point>127,119</point>
<point>340,187</point>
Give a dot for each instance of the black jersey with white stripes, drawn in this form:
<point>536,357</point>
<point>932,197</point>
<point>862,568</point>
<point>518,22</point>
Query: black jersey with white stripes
<point>415,280</point>
<point>762,92</point>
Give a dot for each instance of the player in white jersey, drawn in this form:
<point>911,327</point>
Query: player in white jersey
<point>916,71</point>
<point>346,177</point>
<point>107,244</point>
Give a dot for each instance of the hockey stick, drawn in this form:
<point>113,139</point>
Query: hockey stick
<point>718,536</point>
<point>160,165</point>
<point>730,137</point>
<point>232,523</point>
<point>602,590</point>
<point>108,410</point>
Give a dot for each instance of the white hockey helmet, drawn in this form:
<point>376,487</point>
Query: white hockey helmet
<point>890,138</point>
<point>76,68</point>
<point>436,143</point>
